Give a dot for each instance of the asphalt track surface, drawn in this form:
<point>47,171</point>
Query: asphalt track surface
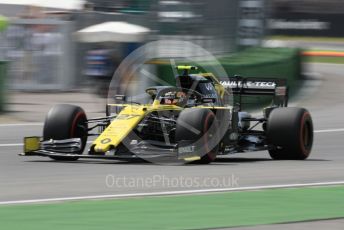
<point>23,178</point>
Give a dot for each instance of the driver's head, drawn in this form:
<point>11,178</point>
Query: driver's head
<point>168,101</point>
<point>172,98</point>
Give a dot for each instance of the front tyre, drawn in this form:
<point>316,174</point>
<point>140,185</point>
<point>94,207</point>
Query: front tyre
<point>63,122</point>
<point>198,127</point>
<point>290,131</point>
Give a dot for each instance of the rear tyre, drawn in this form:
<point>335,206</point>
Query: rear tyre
<point>64,122</point>
<point>197,126</point>
<point>290,130</point>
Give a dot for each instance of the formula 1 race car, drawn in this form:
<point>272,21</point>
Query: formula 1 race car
<point>192,122</point>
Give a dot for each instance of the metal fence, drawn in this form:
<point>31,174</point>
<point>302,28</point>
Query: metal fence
<point>44,55</point>
<point>41,54</point>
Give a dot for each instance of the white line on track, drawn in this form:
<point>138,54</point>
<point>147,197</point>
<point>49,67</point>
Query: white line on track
<point>21,124</point>
<point>315,131</point>
<point>328,130</point>
<point>40,124</point>
<point>168,193</point>
<point>11,145</point>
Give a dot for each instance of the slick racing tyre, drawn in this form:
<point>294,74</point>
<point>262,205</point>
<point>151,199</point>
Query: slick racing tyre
<point>290,131</point>
<point>64,122</point>
<point>198,127</point>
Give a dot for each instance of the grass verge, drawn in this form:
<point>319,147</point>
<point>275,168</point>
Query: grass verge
<point>181,212</point>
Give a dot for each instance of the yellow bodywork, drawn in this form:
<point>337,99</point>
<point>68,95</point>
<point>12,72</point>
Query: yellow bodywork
<point>131,115</point>
<point>31,144</point>
<point>126,121</point>
<point>186,67</point>
<point>217,84</point>
<point>119,128</point>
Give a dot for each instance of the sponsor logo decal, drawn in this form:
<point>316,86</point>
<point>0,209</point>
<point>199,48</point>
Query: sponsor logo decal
<point>249,84</point>
<point>186,149</point>
<point>105,141</point>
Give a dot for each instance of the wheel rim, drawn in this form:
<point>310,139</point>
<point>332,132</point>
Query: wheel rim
<point>209,135</point>
<point>306,135</point>
<point>78,128</point>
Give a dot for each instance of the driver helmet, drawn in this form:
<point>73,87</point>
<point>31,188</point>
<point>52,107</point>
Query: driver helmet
<point>173,98</point>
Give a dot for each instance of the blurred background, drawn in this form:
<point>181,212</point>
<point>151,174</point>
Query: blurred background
<point>68,50</point>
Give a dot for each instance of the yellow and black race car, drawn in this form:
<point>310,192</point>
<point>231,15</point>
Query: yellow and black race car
<point>192,122</point>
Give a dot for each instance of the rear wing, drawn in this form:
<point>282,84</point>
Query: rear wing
<point>242,86</point>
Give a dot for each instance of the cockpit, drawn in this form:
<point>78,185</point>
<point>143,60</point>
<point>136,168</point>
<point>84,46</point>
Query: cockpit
<point>181,97</point>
